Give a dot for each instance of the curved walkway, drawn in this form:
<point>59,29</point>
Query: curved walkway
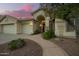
<point>49,48</point>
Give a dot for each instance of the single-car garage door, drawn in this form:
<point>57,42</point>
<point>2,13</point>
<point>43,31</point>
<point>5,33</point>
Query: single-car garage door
<point>9,29</point>
<point>26,28</point>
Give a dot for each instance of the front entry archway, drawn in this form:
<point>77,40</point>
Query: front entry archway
<point>41,23</point>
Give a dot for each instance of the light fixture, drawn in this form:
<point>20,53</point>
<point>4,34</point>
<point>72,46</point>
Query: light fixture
<point>31,23</point>
<point>40,25</point>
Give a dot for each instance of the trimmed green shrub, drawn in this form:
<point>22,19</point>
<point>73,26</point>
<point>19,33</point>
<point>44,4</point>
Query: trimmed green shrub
<point>14,44</point>
<point>48,35</point>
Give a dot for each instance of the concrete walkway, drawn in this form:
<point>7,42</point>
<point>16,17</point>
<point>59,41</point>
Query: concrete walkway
<point>49,48</point>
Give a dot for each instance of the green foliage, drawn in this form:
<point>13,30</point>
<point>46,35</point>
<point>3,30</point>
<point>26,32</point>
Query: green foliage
<point>67,11</point>
<point>14,44</point>
<point>50,8</point>
<point>62,10</point>
<point>36,32</point>
<point>48,35</point>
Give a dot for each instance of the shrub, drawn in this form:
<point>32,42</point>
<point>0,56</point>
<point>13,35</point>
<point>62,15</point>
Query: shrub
<point>36,32</point>
<point>48,34</point>
<point>14,44</point>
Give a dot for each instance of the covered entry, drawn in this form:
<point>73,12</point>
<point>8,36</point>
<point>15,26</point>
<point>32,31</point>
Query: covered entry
<point>41,23</point>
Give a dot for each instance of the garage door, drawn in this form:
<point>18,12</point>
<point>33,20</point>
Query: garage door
<point>27,29</point>
<point>9,29</point>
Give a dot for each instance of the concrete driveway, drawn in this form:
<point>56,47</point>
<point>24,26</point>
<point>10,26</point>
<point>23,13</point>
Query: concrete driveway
<point>7,37</point>
<point>49,48</point>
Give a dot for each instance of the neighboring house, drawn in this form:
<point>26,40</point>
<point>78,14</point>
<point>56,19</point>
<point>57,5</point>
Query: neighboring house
<point>11,25</point>
<point>40,22</point>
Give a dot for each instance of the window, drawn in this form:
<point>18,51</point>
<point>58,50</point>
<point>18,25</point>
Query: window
<point>69,28</point>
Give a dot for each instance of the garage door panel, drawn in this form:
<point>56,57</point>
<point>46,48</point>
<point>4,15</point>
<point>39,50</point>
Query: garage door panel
<point>27,29</point>
<point>9,29</point>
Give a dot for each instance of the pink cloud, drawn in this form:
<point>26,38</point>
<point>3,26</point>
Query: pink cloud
<point>23,11</point>
<point>20,14</point>
<point>27,8</point>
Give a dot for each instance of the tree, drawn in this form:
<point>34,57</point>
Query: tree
<point>68,12</point>
<point>50,9</point>
<point>65,11</point>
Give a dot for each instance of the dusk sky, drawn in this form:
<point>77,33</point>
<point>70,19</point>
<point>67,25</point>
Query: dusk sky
<point>18,9</point>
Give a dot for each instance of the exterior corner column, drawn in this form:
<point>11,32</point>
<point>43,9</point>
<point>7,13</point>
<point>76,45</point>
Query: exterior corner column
<point>47,19</point>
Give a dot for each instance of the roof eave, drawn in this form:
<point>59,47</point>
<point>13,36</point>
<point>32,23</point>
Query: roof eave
<point>36,11</point>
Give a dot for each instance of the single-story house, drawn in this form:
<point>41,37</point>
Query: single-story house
<point>12,25</point>
<point>40,22</point>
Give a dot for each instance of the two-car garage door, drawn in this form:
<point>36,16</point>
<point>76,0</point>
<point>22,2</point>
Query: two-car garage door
<point>12,29</point>
<point>9,29</point>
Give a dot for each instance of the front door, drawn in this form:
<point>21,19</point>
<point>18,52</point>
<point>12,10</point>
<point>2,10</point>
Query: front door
<point>42,26</point>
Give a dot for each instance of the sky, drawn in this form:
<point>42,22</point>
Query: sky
<point>20,10</point>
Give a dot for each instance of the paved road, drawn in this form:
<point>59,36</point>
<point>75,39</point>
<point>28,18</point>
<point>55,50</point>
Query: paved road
<point>49,48</point>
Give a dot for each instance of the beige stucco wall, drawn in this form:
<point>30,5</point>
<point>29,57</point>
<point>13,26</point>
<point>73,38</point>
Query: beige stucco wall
<point>41,12</point>
<point>9,20</point>
<point>18,27</point>
<point>35,26</point>
<point>60,29</point>
<point>47,23</point>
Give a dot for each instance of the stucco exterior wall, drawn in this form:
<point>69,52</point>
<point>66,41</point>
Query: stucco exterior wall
<point>18,27</point>
<point>8,20</point>
<point>41,12</point>
<point>60,29</point>
<point>47,23</point>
